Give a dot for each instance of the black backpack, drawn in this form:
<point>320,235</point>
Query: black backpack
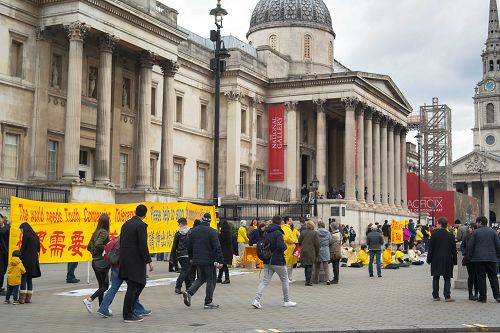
<point>264,248</point>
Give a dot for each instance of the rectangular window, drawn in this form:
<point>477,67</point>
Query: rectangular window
<point>52,159</point>
<point>259,127</point>
<point>258,185</point>
<point>153,101</point>
<point>242,184</point>
<point>16,59</point>
<point>84,157</point>
<point>491,191</point>
<point>84,170</point>
<point>152,172</point>
<point>203,117</point>
<point>178,110</point>
<point>243,121</point>
<point>123,170</point>
<point>11,156</point>
<point>178,178</point>
<point>201,175</point>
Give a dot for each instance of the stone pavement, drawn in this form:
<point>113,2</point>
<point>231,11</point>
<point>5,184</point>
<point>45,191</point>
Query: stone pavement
<point>400,301</point>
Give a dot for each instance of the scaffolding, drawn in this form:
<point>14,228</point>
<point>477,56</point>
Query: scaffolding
<point>434,124</point>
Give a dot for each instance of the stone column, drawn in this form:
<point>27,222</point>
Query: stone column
<point>376,158</point>
<point>103,129</point>
<point>369,170</point>
<point>117,106</point>
<point>404,190</point>
<point>292,144</point>
<point>143,174</point>
<point>486,198</point>
<point>169,69</point>
<point>39,120</point>
<point>332,154</point>
<point>76,33</point>
<point>397,167</point>
<point>361,155</point>
<point>383,162</point>
<point>256,100</point>
<point>350,104</point>
<point>321,152</point>
<point>390,162</point>
<point>233,141</point>
<point>469,189</point>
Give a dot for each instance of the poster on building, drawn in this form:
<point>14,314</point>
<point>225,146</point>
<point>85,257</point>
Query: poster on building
<point>276,143</point>
<point>397,232</point>
<point>64,229</point>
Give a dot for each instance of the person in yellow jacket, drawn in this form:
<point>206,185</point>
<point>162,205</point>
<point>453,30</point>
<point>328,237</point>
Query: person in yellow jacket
<point>419,235</point>
<point>242,237</point>
<point>363,256</point>
<point>387,262</point>
<point>291,241</point>
<point>14,272</point>
<point>399,256</point>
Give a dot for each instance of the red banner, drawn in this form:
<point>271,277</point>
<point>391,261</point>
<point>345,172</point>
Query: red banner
<point>276,145</point>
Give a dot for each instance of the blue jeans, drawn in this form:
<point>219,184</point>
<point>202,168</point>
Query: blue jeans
<point>435,287</point>
<point>12,291</point>
<point>184,275</point>
<point>26,283</point>
<point>116,282</point>
<point>377,254</point>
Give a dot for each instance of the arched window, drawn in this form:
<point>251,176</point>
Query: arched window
<point>330,53</point>
<point>273,42</point>
<point>307,47</point>
<point>490,113</point>
<point>491,65</point>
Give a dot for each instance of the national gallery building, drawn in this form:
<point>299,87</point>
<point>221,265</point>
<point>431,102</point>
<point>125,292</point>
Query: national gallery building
<point>114,101</point>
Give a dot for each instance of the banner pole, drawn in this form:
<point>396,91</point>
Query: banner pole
<point>88,272</point>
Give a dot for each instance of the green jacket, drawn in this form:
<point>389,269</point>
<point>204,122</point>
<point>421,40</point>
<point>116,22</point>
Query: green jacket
<point>100,241</point>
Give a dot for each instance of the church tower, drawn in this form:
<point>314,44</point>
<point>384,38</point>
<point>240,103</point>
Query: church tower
<point>487,98</point>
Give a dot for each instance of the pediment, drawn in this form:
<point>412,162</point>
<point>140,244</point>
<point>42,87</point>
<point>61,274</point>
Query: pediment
<point>384,84</point>
<point>476,162</point>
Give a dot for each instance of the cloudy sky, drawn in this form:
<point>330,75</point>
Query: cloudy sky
<point>430,48</point>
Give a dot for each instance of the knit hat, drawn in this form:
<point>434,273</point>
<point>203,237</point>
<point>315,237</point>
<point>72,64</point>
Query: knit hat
<point>206,218</point>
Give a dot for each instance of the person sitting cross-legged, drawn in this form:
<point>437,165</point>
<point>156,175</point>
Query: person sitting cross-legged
<point>387,262</point>
<point>413,256</point>
<point>399,256</point>
<point>363,255</point>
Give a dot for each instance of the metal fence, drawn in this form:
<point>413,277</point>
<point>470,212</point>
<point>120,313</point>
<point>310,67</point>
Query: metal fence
<point>243,211</point>
<point>32,193</point>
<point>263,192</point>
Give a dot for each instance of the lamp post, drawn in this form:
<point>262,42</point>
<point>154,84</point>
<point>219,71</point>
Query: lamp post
<point>315,186</point>
<point>419,141</point>
<point>218,65</point>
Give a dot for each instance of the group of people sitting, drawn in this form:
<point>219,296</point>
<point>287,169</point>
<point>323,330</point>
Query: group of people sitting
<point>391,259</point>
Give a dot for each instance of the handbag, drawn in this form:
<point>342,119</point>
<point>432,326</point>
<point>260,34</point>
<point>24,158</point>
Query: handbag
<point>296,252</point>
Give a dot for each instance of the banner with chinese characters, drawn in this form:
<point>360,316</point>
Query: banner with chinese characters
<point>276,144</point>
<point>397,232</point>
<point>65,229</point>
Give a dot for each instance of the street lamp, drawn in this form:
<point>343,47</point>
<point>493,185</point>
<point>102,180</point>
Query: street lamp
<point>419,141</point>
<point>315,186</point>
<point>218,65</point>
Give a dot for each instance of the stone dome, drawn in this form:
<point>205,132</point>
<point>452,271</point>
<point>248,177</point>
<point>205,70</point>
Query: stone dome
<point>308,13</point>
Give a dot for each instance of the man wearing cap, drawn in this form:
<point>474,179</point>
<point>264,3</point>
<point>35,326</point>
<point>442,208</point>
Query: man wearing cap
<point>205,252</point>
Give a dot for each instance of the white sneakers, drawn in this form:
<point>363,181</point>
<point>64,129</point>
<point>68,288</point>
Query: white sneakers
<point>256,304</point>
<point>88,305</point>
<point>291,281</point>
<point>289,304</point>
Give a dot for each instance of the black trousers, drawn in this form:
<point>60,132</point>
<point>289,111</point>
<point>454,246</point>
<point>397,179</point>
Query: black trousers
<point>308,269</point>
<point>134,290</point>
<point>336,267</point>
<point>224,270</point>
<point>70,275</point>
<point>102,277</point>
<point>435,287</point>
<point>472,285</point>
<point>489,269</point>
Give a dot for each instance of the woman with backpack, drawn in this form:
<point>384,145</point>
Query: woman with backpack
<point>98,241</point>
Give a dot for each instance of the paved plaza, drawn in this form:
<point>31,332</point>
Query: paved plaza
<point>401,300</point>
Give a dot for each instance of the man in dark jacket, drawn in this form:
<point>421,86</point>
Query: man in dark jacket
<point>4,250</point>
<point>484,252</point>
<point>179,253</point>
<point>442,256</point>
<point>134,256</point>
<point>205,252</point>
<point>275,264</point>
<point>374,241</point>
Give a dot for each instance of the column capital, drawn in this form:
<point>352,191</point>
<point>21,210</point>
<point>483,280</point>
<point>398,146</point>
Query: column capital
<point>107,42</point>
<point>377,116</point>
<point>383,121</point>
<point>369,112</point>
<point>390,125</point>
<point>234,95</point>
<point>291,105</point>
<point>350,103</point>
<point>77,30</point>
<point>257,99</point>
<point>404,131</point>
<point>169,67</point>
<point>320,105</point>
<point>146,59</point>
<point>42,33</point>
<point>360,112</point>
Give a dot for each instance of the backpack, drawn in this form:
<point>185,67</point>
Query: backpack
<point>264,248</point>
<point>112,252</point>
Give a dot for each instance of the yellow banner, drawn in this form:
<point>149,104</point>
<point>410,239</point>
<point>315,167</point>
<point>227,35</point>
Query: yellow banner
<point>397,232</point>
<point>65,229</point>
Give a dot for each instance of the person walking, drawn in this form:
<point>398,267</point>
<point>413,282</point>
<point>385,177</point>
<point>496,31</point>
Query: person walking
<point>15,271</point>
<point>205,252</point>
<point>291,242</point>
<point>226,244</point>
<point>374,241</point>
<point>275,264</point>
<point>472,283</point>
<point>335,251</point>
<point>98,241</point>
<point>255,235</point>
<point>242,238</point>
<point>442,256</point>
<point>309,250</point>
<point>134,256</point>
<point>179,253</point>
<point>325,239</point>
<point>484,252</point>
<point>30,251</point>
<point>4,250</point>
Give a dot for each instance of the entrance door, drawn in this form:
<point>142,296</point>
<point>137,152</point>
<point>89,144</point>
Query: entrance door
<point>305,169</point>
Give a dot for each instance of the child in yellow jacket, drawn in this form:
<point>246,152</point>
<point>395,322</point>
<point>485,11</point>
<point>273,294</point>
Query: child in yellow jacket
<point>14,272</point>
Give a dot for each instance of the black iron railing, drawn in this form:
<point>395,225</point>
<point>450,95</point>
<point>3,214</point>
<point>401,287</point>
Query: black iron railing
<point>248,211</point>
<point>263,192</point>
<point>31,192</point>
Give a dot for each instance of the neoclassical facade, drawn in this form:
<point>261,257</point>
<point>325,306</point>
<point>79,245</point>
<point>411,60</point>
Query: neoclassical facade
<point>114,101</point>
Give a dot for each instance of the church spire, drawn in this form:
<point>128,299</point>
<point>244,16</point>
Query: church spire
<point>493,25</point>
